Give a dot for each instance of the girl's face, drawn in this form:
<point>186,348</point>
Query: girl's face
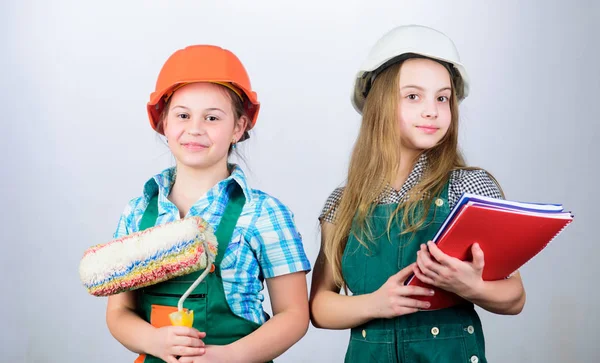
<point>201,125</point>
<point>424,108</point>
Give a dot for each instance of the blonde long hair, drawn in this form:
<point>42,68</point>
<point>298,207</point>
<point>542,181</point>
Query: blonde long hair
<point>374,164</point>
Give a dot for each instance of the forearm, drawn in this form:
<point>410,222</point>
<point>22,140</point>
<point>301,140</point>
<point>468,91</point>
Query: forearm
<point>330,310</point>
<point>130,330</point>
<point>273,338</point>
<point>506,297</point>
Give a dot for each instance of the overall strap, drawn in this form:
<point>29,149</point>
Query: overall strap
<point>150,214</point>
<point>228,222</point>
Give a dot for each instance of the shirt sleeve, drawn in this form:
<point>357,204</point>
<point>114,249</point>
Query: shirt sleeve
<point>124,226</point>
<point>277,241</point>
<point>478,182</point>
<point>331,205</point>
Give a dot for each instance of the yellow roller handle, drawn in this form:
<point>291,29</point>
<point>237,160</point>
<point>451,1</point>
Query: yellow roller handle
<point>182,318</point>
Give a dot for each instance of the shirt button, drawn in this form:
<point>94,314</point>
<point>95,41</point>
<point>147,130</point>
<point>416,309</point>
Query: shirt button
<point>474,359</point>
<point>364,333</point>
<point>435,331</point>
<point>470,329</point>
<point>439,202</point>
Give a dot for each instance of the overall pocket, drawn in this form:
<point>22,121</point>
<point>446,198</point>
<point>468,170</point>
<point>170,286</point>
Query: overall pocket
<point>440,344</point>
<point>161,306</point>
<point>371,345</point>
<point>158,301</point>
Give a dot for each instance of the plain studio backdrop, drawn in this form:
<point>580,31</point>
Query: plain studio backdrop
<point>76,75</point>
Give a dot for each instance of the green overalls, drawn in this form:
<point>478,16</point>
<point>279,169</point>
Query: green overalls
<point>449,335</point>
<point>211,310</point>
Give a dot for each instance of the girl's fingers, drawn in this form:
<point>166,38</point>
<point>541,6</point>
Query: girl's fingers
<point>403,274</point>
<point>186,341</point>
<point>423,278</point>
<point>416,304</point>
<point>478,257</point>
<point>427,266</point>
<point>440,257</point>
<point>415,291</point>
<point>189,332</point>
<point>184,351</point>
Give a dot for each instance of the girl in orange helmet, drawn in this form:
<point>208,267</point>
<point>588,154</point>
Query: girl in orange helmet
<point>204,105</point>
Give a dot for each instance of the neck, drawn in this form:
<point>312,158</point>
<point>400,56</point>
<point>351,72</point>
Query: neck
<point>408,157</point>
<point>191,183</point>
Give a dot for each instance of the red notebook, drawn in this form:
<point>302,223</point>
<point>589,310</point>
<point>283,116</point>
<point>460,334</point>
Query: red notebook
<point>508,236</point>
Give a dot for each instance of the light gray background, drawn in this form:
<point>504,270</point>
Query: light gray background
<point>75,77</point>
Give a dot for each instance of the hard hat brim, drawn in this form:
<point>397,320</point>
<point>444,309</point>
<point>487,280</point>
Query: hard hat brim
<point>358,99</point>
<point>154,106</point>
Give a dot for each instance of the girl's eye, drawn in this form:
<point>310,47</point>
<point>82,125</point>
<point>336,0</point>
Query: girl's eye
<point>443,99</point>
<point>412,97</point>
<point>183,116</point>
<point>211,118</point>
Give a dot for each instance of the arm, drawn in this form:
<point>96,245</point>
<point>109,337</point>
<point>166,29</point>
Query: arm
<point>281,257</point>
<point>125,325</point>
<point>330,310</point>
<point>506,297</point>
<point>288,325</point>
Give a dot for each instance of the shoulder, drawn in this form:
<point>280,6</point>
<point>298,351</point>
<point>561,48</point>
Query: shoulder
<point>136,206</point>
<point>129,220</point>
<point>274,237</point>
<point>258,202</point>
<point>272,227</point>
<point>335,196</point>
<point>475,181</point>
<point>331,204</point>
<point>270,209</point>
<point>334,199</point>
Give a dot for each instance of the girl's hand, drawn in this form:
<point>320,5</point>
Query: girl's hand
<point>170,342</point>
<point>391,299</point>
<point>436,268</point>
<point>213,354</point>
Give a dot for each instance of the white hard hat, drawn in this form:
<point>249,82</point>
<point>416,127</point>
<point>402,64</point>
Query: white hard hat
<point>401,43</point>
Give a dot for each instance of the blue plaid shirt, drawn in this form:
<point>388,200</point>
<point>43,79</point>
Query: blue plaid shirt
<point>265,242</point>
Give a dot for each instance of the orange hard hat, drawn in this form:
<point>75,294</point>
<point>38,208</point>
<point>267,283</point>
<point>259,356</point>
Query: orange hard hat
<point>202,63</point>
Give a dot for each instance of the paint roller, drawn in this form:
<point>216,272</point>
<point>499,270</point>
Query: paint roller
<point>149,257</point>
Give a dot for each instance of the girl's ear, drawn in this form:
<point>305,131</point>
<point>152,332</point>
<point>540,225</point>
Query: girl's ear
<point>240,127</point>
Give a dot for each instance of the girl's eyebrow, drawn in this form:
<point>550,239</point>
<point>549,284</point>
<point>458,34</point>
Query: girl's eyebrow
<point>208,109</point>
<point>214,109</point>
<point>448,88</point>
<point>179,106</point>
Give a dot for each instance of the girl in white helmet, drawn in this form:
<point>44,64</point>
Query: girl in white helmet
<point>405,175</point>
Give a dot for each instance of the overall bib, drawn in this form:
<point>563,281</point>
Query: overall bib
<point>448,335</point>
<point>211,310</point>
